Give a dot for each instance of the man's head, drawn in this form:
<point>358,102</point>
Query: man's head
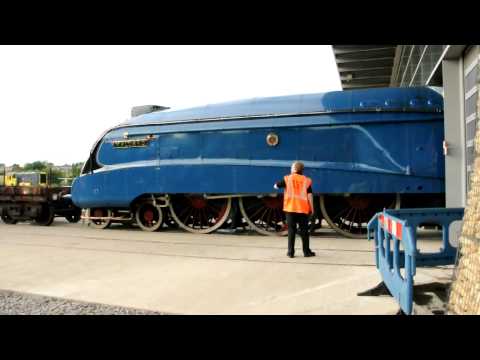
<point>297,168</point>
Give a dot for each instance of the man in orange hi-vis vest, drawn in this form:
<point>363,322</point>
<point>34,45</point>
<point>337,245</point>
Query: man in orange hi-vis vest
<point>298,206</point>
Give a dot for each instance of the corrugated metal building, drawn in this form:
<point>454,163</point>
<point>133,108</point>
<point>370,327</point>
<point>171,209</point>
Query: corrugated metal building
<point>452,68</point>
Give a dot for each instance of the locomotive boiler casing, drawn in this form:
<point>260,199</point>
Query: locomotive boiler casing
<point>360,141</point>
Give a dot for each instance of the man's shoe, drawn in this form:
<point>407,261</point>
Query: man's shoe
<point>290,255</point>
<point>310,254</point>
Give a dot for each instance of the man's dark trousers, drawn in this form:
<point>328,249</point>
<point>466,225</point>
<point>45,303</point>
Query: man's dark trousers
<point>302,220</point>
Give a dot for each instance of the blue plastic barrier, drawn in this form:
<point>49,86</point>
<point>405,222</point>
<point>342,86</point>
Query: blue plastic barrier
<point>392,228</point>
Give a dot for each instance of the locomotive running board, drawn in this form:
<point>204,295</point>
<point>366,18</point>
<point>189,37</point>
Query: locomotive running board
<point>237,196</point>
<point>106,218</point>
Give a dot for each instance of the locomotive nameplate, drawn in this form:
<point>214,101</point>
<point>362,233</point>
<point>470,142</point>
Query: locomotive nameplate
<point>133,143</point>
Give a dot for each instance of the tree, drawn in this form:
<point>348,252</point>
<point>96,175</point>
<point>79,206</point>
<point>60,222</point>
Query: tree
<point>76,168</point>
<point>36,166</point>
<point>16,167</point>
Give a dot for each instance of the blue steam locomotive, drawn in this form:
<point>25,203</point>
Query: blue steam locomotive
<point>365,150</point>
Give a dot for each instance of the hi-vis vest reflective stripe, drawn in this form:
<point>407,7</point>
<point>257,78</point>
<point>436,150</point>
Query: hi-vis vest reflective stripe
<point>295,198</point>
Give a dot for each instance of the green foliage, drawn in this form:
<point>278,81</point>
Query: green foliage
<point>36,166</point>
<point>76,168</point>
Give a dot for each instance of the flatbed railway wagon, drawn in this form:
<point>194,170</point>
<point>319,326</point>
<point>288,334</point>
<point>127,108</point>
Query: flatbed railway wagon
<point>365,150</point>
<point>35,201</point>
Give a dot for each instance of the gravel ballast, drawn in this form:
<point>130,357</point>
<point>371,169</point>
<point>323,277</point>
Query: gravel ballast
<point>18,303</point>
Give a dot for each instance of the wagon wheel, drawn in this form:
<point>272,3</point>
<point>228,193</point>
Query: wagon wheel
<point>8,220</point>
<point>349,215</point>
<point>100,224</point>
<point>199,215</point>
<point>265,214</point>
<point>149,217</point>
<point>74,217</point>
<point>46,217</point>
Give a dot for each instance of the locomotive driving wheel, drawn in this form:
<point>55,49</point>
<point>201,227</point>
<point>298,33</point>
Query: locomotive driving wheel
<point>349,215</point>
<point>198,214</point>
<point>100,223</point>
<point>265,214</point>
<point>149,217</point>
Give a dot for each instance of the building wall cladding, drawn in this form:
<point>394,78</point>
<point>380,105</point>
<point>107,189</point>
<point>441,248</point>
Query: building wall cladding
<point>464,296</point>
<point>470,107</point>
<point>418,65</point>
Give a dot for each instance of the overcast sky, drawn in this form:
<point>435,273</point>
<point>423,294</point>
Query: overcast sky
<point>57,100</point>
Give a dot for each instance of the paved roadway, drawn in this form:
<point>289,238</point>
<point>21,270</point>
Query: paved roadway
<point>182,273</point>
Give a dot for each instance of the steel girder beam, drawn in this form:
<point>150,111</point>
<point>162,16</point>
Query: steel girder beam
<point>364,66</point>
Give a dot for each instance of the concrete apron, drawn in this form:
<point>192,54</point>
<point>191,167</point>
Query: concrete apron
<point>182,273</point>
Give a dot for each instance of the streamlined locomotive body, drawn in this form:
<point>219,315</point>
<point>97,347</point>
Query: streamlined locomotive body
<point>364,150</point>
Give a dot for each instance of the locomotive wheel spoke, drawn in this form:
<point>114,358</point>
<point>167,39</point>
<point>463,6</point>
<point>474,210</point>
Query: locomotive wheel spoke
<point>340,213</point>
<point>353,212</point>
<point>188,215</point>
<point>254,215</point>
<point>183,212</point>
<point>352,221</point>
<point>203,218</point>
<point>203,215</point>
<point>200,218</point>
<point>263,223</point>
<point>265,215</point>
